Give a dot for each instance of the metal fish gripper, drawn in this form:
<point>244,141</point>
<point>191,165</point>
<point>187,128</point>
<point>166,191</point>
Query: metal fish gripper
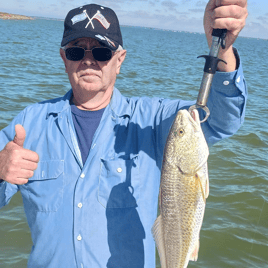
<point>212,60</point>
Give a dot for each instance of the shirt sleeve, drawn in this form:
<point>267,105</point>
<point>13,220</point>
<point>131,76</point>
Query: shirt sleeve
<point>227,105</point>
<point>7,190</point>
<point>226,102</point>
<point>7,134</point>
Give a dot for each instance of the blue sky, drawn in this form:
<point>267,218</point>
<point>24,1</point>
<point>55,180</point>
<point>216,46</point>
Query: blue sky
<point>181,15</point>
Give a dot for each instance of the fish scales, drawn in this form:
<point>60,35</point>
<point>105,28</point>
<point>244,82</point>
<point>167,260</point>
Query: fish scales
<point>183,190</point>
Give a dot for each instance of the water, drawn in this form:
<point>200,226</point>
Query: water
<point>158,63</point>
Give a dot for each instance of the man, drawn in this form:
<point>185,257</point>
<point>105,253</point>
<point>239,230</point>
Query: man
<point>88,164</point>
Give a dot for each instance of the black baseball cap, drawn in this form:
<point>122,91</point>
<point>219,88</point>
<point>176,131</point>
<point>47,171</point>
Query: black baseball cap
<point>93,21</point>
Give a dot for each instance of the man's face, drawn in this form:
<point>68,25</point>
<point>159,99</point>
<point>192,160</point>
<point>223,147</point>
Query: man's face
<point>91,79</point>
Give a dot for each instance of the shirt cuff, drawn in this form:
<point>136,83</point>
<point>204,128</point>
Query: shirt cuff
<point>230,83</point>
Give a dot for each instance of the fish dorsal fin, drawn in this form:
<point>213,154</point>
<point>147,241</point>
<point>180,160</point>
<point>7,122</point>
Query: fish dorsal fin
<point>157,232</point>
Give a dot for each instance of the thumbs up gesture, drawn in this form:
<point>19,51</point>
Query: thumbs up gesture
<point>17,164</point>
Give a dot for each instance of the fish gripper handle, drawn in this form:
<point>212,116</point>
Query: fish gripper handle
<point>211,63</point>
<point>221,33</point>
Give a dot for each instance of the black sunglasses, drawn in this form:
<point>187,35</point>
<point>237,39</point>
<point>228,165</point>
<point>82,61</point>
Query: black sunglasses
<point>98,53</point>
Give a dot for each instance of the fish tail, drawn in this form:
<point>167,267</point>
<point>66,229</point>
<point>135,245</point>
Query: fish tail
<point>157,232</point>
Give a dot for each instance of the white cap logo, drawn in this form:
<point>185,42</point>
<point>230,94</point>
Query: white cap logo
<point>98,16</point>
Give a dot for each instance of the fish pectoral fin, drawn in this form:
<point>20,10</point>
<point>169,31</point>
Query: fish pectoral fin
<point>194,255</point>
<point>157,232</point>
<point>201,187</point>
<point>200,176</point>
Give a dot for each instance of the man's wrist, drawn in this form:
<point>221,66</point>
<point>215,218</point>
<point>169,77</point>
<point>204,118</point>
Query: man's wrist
<point>229,57</point>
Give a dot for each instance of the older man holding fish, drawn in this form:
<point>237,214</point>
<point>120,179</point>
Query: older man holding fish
<point>88,164</point>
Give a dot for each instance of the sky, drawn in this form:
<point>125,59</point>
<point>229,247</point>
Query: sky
<point>178,15</point>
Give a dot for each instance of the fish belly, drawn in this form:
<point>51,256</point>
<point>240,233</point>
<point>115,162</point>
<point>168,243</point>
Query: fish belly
<point>176,231</point>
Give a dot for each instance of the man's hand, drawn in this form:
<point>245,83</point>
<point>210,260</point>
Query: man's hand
<point>17,164</point>
<point>230,15</point>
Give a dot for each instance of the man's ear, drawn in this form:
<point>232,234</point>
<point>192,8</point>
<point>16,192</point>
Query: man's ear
<point>62,54</point>
<point>120,60</point>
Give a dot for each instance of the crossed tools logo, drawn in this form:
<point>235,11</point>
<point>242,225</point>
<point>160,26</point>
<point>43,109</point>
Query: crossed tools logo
<point>98,16</point>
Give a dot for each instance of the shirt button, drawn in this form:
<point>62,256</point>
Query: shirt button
<point>80,205</point>
<point>119,170</point>
<point>79,238</point>
<point>238,79</point>
<point>226,83</point>
<point>82,176</point>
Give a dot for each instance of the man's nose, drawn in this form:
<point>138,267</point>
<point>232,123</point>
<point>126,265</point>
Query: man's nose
<point>88,58</point>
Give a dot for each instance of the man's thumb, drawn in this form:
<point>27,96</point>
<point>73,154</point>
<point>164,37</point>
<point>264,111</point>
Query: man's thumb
<point>20,135</point>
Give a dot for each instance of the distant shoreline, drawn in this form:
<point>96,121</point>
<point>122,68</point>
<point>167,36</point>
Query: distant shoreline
<point>8,16</point>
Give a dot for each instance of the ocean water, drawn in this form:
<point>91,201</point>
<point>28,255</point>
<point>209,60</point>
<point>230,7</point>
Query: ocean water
<point>165,64</point>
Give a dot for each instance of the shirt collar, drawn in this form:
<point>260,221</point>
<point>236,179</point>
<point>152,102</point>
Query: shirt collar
<point>58,105</point>
<point>119,104</point>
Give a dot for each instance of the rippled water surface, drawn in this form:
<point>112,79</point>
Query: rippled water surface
<point>158,63</point>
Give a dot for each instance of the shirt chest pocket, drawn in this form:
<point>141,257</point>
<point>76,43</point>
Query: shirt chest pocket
<point>45,188</point>
<point>119,183</point>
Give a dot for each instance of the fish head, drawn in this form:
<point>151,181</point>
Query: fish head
<point>186,146</point>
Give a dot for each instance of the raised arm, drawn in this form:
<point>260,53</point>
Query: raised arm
<point>230,15</point>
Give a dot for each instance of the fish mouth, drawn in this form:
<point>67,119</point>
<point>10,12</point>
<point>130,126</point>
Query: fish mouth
<point>194,117</point>
<point>194,121</point>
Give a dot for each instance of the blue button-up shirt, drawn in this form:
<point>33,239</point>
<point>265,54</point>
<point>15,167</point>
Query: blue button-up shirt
<point>100,214</point>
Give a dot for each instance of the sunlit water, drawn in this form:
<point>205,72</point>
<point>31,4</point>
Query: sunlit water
<point>165,64</point>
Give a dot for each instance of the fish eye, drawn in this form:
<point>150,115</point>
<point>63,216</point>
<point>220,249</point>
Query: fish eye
<point>181,132</point>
